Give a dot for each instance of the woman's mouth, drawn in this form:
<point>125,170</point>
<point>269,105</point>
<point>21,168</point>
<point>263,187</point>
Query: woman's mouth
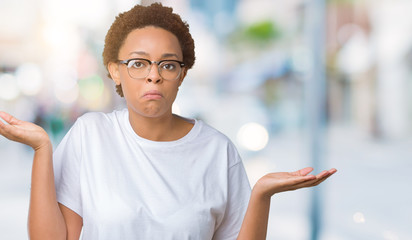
<point>153,94</point>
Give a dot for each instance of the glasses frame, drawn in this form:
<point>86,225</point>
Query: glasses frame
<point>127,61</point>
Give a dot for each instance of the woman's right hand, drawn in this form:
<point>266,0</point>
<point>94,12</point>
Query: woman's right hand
<point>45,219</point>
<point>24,132</point>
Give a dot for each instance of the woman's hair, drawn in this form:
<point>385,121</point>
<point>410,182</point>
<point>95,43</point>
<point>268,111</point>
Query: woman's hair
<point>139,17</point>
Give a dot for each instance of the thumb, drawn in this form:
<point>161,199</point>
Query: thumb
<point>304,171</point>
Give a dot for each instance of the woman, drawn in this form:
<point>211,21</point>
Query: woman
<point>143,172</point>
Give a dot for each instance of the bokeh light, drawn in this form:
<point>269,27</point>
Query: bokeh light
<point>67,96</point>
<point>9,89</point>
<point>91,88</point>
<point>29,79</point>
<point>358,217</point>
<point>253,136</point>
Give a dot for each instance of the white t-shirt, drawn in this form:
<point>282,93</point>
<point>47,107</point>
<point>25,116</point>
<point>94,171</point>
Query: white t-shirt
<point>127,187</point>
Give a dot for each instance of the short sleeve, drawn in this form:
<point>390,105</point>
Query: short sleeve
<point>238,200</point>
<point>66,165</point>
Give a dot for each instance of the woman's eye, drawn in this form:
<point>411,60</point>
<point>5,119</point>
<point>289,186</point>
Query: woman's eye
<point>138,64</point>
<point>169,66</point>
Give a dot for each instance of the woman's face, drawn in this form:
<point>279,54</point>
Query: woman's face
<point>151,96</point>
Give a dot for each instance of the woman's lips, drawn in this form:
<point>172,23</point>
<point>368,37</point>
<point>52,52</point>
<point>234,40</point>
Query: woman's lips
<point>154,94</point>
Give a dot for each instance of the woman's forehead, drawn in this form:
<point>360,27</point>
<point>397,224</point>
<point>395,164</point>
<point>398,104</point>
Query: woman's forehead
<point>151,41</point>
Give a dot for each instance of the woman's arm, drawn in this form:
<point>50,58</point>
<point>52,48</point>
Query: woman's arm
<point>255,223</point>
<point>46,220</point>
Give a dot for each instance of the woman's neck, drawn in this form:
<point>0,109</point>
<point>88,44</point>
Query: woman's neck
<point>168,127</point>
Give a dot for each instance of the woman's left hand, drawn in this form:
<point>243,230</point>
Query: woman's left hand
<point>287,181</point>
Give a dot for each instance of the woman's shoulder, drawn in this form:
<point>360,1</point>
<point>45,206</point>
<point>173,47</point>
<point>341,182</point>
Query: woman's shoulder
<point>211,136</point>
<point>101,118</point>
<point>208,131</point>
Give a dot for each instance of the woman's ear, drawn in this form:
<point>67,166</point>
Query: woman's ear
<point>182,77</point>
<point>114,72</point>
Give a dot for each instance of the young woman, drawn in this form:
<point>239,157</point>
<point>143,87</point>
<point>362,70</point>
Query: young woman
<point>143,172</point>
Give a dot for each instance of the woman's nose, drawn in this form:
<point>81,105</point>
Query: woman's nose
<point>154,75</point>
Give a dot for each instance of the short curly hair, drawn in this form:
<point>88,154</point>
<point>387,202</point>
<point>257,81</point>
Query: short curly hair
<point>139,17</point>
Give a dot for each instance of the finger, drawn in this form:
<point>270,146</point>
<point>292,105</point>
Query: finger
<point>322,174</point>
<point>302,172</point>
<point>9,118</point>
<point>3,126</point>
<point>298,180</point>
<point>319,179</point>
<point>306,171</point>
<point>2,121</point>
<point>332,171</point>
<point>329,173</point>
<point>310,183</point>
<point>10,132</point>
<point>326,173</point>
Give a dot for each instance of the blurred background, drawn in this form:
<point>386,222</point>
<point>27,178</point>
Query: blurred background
<point>292,83</point>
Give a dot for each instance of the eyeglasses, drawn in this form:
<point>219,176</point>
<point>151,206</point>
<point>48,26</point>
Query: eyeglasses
<point>139,68</point>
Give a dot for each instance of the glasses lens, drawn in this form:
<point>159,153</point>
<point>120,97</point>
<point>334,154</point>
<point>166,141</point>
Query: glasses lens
<point>138,68</point>
<point>169,70</point>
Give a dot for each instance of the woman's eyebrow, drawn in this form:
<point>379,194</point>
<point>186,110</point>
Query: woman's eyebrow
<point>139,53</point>
<point>166,55</point>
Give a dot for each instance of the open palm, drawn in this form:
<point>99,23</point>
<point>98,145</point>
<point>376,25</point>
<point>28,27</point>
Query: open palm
<point>287,181</point>
<point>23,132</point>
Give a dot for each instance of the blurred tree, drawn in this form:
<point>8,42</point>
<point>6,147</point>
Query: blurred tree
<point>259,34</point>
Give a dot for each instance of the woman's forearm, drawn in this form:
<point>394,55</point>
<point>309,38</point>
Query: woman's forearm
<point>45,218</point>
<point>255,223</point>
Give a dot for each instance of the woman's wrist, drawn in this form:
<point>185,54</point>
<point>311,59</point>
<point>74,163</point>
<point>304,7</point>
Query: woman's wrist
<point>43,146</point>
<point>259,194</point>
